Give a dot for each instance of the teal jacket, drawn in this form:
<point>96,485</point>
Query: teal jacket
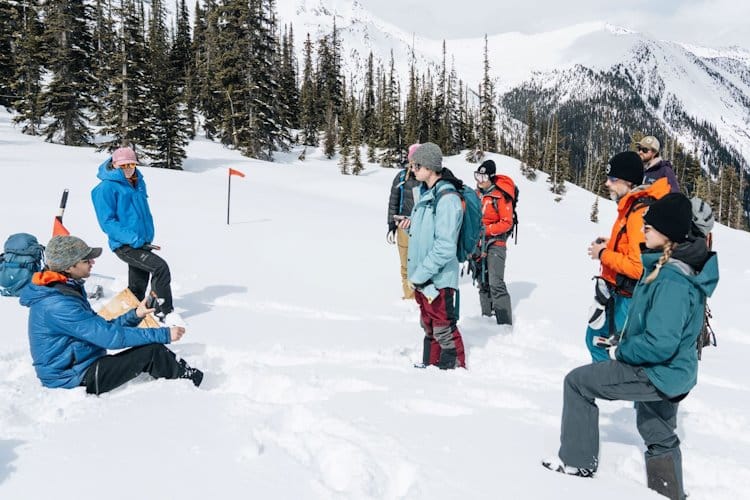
<point>433,237</point>
<point>666,316</point>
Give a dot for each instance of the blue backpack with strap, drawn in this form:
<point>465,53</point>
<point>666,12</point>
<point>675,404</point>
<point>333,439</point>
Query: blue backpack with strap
<point>471,226</point>
<point>21,258</point>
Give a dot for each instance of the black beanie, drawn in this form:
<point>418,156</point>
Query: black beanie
<point>487,167</point>
<point>671,216</point>
<point>626,166</point>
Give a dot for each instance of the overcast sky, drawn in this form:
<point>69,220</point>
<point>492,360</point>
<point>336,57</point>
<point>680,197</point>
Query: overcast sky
<point>713,23</point>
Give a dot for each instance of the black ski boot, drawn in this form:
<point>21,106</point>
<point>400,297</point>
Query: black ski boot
<point>193,374</point>
<point>448,359</point>
<point>663,476</point>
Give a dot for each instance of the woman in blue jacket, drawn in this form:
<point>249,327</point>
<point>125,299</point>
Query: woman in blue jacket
<point>656,361</point>
<point>121,205</point>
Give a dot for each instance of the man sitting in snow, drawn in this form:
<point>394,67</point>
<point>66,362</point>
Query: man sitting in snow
<point>69,341</point>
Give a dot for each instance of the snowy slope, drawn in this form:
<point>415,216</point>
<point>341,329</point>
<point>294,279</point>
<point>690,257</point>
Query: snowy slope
<point>294,313</point>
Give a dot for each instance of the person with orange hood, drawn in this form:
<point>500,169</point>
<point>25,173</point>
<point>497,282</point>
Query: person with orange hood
<point>69,341</point>
<point>620,254</point>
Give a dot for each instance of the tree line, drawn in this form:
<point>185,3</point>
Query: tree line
<point>112,72</point>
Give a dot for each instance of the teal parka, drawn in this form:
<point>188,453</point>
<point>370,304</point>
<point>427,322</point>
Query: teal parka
<point>433,237</point>
<point>666,316</point>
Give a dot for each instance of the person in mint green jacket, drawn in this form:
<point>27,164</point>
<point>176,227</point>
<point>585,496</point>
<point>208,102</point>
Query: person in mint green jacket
<point>656,359</point>
<point>432,265</point>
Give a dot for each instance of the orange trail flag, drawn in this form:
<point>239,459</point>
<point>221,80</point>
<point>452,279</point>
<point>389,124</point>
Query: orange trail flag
<point>57,227</point>
<point>229,187</point>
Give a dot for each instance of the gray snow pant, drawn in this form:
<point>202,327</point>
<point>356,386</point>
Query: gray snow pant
<point>494,295</point>
<point>613,380</point>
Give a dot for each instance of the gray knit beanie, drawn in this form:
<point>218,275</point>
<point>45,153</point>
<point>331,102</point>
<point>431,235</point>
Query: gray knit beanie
<point>430,156</point>
<point>66,251</point>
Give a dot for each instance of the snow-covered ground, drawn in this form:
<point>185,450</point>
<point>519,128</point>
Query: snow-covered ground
<point>294,313</point>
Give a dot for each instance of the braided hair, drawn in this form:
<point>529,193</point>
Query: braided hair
<point>665,256</point>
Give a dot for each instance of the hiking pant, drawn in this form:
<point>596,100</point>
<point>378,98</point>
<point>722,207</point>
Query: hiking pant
<point>111,371</point>
<point>142,263</point>
<point>619,310</point>
<point>494,295</point>
<point>443,345</point>
<point>402,240</point>
<point>656,417</point>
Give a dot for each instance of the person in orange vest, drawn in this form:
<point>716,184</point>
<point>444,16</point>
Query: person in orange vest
<point>620,253</point>
<point>496,193</point>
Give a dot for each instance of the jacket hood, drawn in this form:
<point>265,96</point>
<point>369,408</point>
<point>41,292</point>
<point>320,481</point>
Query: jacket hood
<point>114,174</point>
<point>40,287</point>
<point>691,259</point>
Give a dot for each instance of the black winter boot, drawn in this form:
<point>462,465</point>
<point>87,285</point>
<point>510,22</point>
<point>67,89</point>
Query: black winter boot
<point>448,359</point>
<point>426,347</point>
<point>194,374</point>
<point>662,475</point>
<point>503,318</point>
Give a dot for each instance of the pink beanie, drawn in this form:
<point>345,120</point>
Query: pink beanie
<point>123,156</point>
<point>412,149</point>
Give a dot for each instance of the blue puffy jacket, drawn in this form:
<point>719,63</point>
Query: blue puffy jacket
<point>665,318</point>
<point>433,238</point>
<point>121,209</point>
<point>66,336</point>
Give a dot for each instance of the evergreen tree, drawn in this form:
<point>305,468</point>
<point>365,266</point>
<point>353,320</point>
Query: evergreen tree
<point>308,99</point>
<point>167,121</point>
<point>330,133</point>
<point>391,120</point>
<point>594,217</point>
<point>184,64</point>
<point>105,47</point>
<point>530,158</point>
<point>124,109</point>
<point>559,163</point>
<point>287,76</point>
<point>27,85</point>
<point>10,27</point>
<point>68,95</point>
<point>369,127</point>
<point>425,110</point>
<point>487,120</point>
<point>356,137</point>
<point>411,114</point>
<point>210,97</point>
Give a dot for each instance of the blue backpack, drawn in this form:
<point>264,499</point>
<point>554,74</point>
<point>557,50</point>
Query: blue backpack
<point>471,226</point>
<point>22,258</point>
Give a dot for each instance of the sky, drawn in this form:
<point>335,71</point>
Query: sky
<point>294,313</point>
<point>713,23</point>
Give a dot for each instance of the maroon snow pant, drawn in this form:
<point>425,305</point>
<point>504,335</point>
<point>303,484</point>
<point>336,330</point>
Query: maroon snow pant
<point>443,345</point>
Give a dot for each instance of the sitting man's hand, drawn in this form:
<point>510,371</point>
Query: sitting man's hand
<point>176,332</point>
<point>143,310</point>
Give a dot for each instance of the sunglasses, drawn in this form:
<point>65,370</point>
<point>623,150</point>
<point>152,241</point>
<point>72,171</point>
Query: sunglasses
<point>612,179</point>
<point>643,150</point>
<point>481,177</point>
<point>128,165</point>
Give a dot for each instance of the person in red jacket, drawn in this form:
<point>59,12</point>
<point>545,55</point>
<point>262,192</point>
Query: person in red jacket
<point>496,192</point>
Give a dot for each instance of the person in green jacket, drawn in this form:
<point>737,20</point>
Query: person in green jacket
<point>656,361</point>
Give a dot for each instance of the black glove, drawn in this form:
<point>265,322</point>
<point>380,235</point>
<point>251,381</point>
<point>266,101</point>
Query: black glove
<point>392,226</point>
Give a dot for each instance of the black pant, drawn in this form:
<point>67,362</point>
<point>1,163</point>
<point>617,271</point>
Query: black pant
<point>142,263</point>
<point>110,372</point>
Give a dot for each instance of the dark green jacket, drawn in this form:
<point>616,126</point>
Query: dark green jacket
<point>666,316</point>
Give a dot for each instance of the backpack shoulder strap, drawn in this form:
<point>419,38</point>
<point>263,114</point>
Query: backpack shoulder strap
<point>639,203</point>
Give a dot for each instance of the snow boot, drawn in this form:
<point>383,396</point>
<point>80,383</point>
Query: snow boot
<point>194,374</point>
<point>448,359</point>
<point>663,476</point>
<point>426,348</point>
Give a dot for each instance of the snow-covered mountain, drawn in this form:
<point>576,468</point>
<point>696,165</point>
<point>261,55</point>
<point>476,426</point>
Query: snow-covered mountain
<point>676,83</point>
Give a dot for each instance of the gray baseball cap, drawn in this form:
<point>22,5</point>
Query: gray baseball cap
<point>63,252</point>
